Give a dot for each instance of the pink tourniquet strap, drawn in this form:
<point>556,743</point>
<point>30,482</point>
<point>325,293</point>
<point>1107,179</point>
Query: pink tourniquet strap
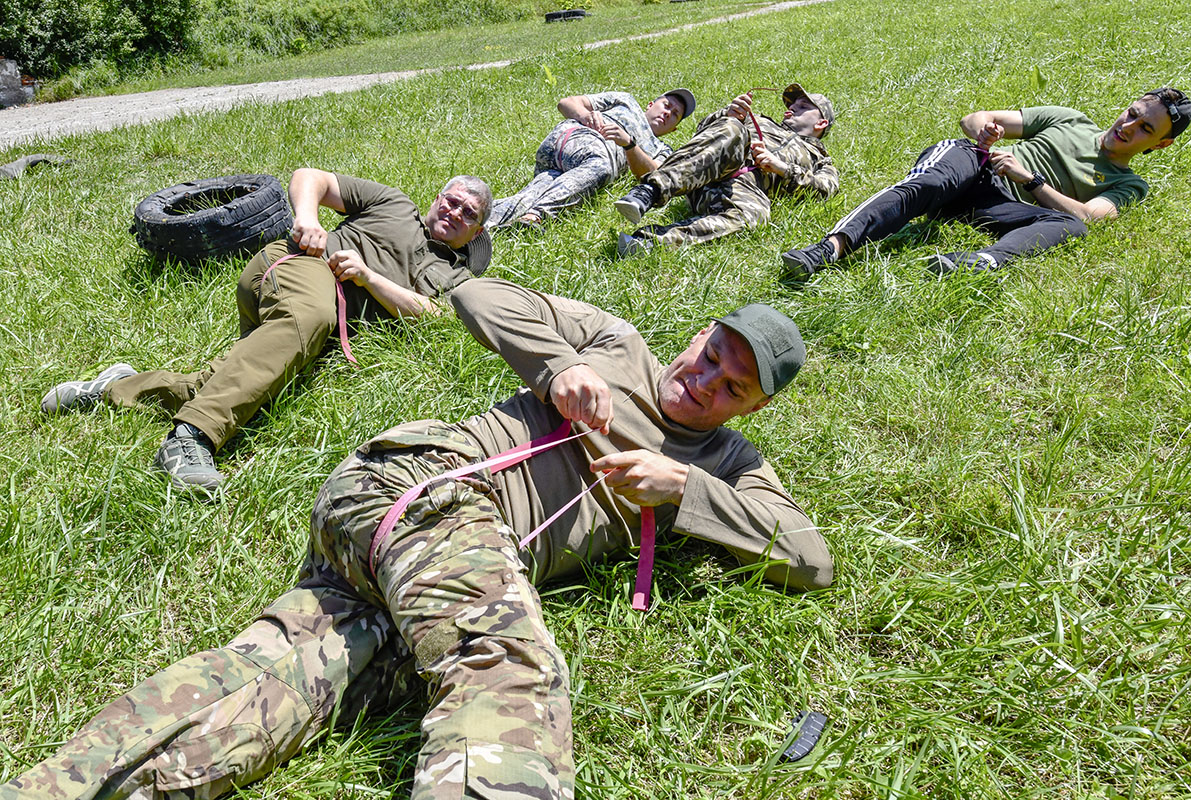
<point>649,531</point>
<point>340,307</point>
<point>534,533</point>
<point>563,143</point>
<point>510,457</point>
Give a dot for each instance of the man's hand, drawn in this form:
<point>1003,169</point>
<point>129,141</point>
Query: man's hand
<point>581,395</point>
<point>592,119</point>
<point>989,135</point>
<point>1005,163</point>
<point>310,236</point>
<point>766,161</point>
<point>348,265</point>
<point>644,478</point>
<point>741,106</point>
<point>614,133</point>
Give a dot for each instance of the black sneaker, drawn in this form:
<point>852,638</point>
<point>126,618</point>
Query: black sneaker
<point>188,457</point>
<point>801,264</point>
<point>83,395</point>
<point>633,205</point>
<point>947,263</point>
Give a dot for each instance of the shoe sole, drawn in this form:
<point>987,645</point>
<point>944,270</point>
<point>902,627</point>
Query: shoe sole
<point>52,403</point>
<point>629,210</point>
<point>795,269</point>
<point>627,246</point>
<point>940,265</point>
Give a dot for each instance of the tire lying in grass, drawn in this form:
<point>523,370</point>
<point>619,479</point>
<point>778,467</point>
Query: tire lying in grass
<point>559,16</point>
<point>212,218</point>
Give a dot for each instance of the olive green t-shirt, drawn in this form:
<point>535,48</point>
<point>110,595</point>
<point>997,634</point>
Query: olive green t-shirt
<point>384,226</point>
<point>1064,145</point>
<point>733,497</point>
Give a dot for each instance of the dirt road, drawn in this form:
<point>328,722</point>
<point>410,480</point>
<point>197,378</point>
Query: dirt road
<point>47,121</point>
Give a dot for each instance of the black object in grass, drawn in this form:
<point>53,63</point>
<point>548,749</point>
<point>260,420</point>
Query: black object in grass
<point>808,726</point>
<point>211,218</point>
<point>561,16</point>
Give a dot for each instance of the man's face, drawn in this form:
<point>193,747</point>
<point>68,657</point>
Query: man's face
<point>712,381</point>
<point>806,118</point>
<point>454,217</point>
<point>664,114</point>
<point>1144,125</point>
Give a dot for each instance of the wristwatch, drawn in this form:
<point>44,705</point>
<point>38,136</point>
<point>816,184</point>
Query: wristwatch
<point>1034,182</point>
<point>632,143</point>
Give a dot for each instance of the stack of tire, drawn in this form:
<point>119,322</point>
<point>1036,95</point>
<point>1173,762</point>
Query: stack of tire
<point>212,218</point>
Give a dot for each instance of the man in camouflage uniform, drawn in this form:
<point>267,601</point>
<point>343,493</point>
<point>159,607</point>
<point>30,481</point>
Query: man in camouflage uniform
<point>450,597</point>
<point>601,135</point>
<point>730,174</point>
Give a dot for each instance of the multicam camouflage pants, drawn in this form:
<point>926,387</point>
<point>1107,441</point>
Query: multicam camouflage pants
<point>451,603</point>
<point>572,164</point>
<point>703,169</point>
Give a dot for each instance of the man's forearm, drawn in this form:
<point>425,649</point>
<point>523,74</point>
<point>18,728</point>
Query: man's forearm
<point>539,335</point>
<point>640,162</point>
<point>397,300</point>
<point>311,188</point>
<point>576,107</point>
<point>1049,197</point>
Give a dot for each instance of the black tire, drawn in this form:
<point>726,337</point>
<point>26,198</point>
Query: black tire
<point>215,217</point>
<point>559,16</point>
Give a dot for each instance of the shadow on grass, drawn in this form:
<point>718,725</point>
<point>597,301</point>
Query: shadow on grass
<point>147,272</point>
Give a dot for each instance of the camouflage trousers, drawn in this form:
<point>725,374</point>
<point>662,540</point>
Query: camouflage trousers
<point>572,164</point>
<point>703,170</point>
<point>451,603</point>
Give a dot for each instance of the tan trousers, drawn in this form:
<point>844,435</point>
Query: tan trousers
<point>283,327</point>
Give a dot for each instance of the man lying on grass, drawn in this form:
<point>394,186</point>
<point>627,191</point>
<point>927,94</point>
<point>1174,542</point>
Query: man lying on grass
<point>731,168</point>
<point>600,135</point>
<point>390,262</point>
<point>1031,196</point>
<point>448,595</point>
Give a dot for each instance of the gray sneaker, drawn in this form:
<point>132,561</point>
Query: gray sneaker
<point>83,395</point>
<point>946,263</point>
<point>188,457</point>
<point>632,246</point>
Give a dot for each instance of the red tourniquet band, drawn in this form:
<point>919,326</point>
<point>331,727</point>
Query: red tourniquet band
<point>509,458</point>
<point>760,136</point>
<point>563,143</point>
<point>340,307</point>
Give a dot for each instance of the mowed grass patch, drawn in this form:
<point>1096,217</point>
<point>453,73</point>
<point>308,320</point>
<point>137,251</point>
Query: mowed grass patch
<point>998,461</point>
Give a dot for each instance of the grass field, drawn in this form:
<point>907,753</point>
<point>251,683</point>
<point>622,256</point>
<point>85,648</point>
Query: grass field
<point>999,461</point>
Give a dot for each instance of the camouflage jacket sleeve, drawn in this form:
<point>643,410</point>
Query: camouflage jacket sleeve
<point>538,334</point>
<point>811,169</point>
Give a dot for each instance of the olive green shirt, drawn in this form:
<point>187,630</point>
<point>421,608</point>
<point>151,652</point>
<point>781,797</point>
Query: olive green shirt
<point>732,496</point>
<point>384,226</point>
<point>1064,146</point>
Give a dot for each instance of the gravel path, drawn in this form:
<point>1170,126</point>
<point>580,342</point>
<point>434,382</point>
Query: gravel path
<point>87,114</point>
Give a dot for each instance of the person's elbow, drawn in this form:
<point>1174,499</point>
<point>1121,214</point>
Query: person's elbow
<point>970,124</point>
<point>796,562</point>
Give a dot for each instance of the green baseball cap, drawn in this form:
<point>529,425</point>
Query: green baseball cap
<point>776,342</point>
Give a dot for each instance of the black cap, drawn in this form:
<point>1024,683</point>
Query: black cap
<point>1177,104</point>
<point>776,342</point>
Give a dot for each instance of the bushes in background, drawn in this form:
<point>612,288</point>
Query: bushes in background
<point>84,45</point>
<point>49,37</point>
